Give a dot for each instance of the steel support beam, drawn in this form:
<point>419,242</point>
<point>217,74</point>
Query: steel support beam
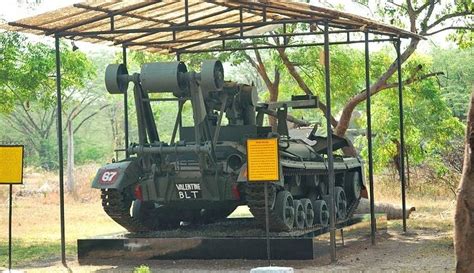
<point>125,106</point>
<point>277,46</point>
<point>402,133</point>
<point>237,36</point>
<point>373,224</point>
<point>59,130</point>
<point>184,27</point>
<point>331,177</point>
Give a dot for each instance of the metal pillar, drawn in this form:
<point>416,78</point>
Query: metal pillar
<point>402,133</point>
<point>373,224</point>
<point>60,149</point>
<point>331,178</point>
<point>125,105</point>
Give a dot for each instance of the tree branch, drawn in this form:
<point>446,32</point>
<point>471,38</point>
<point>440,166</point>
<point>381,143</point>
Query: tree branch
<point>447,28</point>
<point>262,72</point>
<point>29,118</point>
<point>446,17</point>
<point>412,80</point>
<point>30,137</point>
<point>301,83</point>
<point>89,116</point>
<point>425,5</point>
<point>412,16</point>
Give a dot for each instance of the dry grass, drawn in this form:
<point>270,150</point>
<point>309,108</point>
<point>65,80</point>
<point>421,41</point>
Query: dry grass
<point>36,218</point>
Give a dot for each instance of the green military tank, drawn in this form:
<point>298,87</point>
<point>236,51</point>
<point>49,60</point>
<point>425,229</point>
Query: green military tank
<point>200,175</point>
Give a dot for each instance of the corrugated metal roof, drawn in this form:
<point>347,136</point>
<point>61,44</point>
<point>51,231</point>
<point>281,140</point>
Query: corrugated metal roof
<point>170,26</point>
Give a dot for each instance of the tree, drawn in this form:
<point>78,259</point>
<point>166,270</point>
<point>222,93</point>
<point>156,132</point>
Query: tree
<point>458,78</point>
<point>27,86</point>
<point>81,110</point>
<point>430,127</point>
<point>464,220</point>
<point>425,18</point>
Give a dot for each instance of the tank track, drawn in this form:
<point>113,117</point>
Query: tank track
<point>117,207</point>
<point>256,203</point>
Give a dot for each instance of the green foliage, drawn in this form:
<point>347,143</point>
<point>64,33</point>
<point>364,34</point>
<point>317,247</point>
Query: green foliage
<point>28,70</point>
<point>430,127</point>
<point>142,269</point>
<point>28,90</point>
<point>458,80</point>
<point>463,37</point>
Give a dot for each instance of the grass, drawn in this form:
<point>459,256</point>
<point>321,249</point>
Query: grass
<point>27,252</point>
<point>142,269</point>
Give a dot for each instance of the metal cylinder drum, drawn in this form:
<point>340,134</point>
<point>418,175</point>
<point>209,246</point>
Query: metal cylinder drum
<point>116,78</point>
<point>163,77</point>
<point>212,75</point>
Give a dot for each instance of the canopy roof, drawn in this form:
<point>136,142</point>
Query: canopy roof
<point>177,26</point>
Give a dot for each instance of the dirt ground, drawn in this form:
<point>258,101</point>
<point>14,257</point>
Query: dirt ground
<point>427,247</point>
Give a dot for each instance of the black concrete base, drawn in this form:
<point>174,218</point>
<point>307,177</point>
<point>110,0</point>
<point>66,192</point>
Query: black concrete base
<point>194,248</point>
<point>102,249</point>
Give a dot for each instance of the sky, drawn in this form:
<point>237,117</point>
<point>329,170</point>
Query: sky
<point>12,11</point>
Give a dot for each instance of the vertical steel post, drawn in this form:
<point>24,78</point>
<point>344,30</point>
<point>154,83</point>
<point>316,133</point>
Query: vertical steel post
<point>125,105</point>
<point>267,224</point>
<point>180,103</point>
<point>373,223</point>
<point>59,130</point>
<point>10,212</point>
<point>186,12</point>
<point>331,178</point>
<point>402,133</point>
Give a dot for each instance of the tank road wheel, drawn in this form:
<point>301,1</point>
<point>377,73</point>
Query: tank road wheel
<point>308,211</point>
<point>341,203</point>
<point>300,215</point>
<point>321,212</point>
<point>284,209</point>
<point>352,185</point>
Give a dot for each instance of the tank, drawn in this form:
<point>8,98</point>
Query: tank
<point>200,175</point>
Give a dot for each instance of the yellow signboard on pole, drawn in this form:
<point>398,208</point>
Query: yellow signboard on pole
<point>11,164</point>
<point>263,161</point>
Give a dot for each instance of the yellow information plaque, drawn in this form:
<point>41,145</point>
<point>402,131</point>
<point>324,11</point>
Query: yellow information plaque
<point>11,164</point>
<point>263,160</point>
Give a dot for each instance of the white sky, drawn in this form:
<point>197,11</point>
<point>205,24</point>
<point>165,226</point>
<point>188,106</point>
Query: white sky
<point>11,11</point>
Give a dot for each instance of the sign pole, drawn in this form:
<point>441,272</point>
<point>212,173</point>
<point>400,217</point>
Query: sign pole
<point>10,210</point>
<point>263,165</point>
<point>11,172</point>
<point>267,228</point>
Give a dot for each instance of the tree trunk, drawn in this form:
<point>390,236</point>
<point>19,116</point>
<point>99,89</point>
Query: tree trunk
<point>273,90</point>
<point>70,184</point>
<point>464,216</point>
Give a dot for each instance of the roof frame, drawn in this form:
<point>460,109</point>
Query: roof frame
<point>149,25</point>
<point>174,34</point>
